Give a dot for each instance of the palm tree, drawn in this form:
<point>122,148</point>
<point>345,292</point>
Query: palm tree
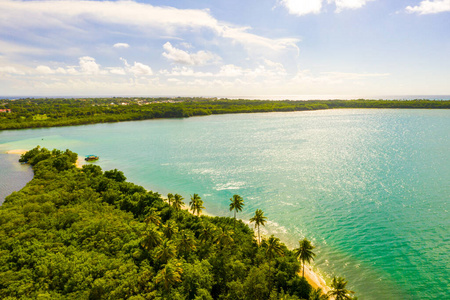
<point>317,294</point>
<point>207,232</point>
<point>177,202</point>
<point>170,229</point>
<point>236,204</point>
<point>224,238</point>
<point>186,243</point>
<point>274,248</point>
<point>196,204</point>
<point>169,197</point>
<point>152,217</point>
<point>165,251</point>
<point>304,252</point>
<point>151,238</point>
<point>338,290</point>
<point>169,275</point>
<point>259,219</point>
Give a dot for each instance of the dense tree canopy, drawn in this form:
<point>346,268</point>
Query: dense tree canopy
<point>33,113</point>
<point>87,234</point>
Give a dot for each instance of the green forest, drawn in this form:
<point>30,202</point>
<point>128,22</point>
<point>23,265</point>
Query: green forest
<point>34,113</point>
<point>74,233</point>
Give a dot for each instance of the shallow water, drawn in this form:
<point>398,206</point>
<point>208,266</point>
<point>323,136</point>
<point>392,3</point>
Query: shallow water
<point>13,175</point>
<point>370,188</point>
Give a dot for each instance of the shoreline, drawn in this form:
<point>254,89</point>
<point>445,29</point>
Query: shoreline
<point>17,151</point>
<point>313,278</point>
<point>79,163</point>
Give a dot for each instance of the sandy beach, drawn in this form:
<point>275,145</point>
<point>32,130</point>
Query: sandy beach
<point>17,151</point>
<point>79,163</point>
<point>314,279</point>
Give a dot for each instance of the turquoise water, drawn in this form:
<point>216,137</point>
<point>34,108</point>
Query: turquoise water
<point>370,188</point>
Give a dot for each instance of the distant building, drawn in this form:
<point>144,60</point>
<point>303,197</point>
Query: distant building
<point>7,110</point>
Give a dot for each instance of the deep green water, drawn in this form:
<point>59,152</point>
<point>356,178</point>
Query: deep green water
<point>370,188</point>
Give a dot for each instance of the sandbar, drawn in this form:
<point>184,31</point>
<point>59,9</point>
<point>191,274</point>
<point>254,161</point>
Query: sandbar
<point>17,151</point>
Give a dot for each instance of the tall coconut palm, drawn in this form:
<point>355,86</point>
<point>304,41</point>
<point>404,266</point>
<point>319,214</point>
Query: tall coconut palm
<point>196,204</point>
<point>224,238</point>
<point>259,219</point>
<point>185,243</point>
<point>152,217</point>
<point>169,275</point>
<point>169,197</point>
<point>177,202</point>
<point>274,248</point>
<point>207,232</point>
<point>165,251</point>
<point>236,204</point>
<point>304,252</point>
<point>317,294</point>
<point>170,229</point>
<point>338,290</point>
<point>151,238</point>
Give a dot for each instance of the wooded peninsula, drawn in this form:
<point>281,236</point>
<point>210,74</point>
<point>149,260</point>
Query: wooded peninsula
<point>35,113</point>
<point>81,233</point>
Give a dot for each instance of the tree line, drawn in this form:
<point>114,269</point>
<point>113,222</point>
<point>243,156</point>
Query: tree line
<point>35,113</point>
<point>75,233</point>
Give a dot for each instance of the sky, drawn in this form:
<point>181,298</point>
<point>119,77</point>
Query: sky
<point>225,48</point>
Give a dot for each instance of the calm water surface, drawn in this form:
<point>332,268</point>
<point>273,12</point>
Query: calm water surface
<point>370,188</point>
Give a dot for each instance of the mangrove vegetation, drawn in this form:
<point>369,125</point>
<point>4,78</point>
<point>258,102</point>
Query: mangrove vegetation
<point>81,233</point>
<point>35,113</point>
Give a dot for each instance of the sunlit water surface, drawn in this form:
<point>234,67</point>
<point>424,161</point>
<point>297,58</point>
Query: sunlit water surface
<point>370,188</point>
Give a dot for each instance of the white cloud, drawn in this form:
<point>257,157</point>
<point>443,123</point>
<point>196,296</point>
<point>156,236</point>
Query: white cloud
<point>272,70</point>
<point>121,45</point>
<point>256,42</point>
<point>186,45</point>
<point>430,7</point>
<point>117,71</point>
<point>185,72</point>
<point>44,70</point>
<point>231,71</point>
<point>348,4</point>
<point>182,57</point>
<point>304,7</point>
<point>277,68</point>
<point>73,15</point>
<point>62,71</point>
<point>71,70</point>
<point>88,65</point>
<point>139,69</point>
<point>348,75</point>
<point>325,79</point>
<point>11,70</point>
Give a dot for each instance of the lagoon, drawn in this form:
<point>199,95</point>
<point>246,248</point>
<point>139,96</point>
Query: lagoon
<point>369,187</point>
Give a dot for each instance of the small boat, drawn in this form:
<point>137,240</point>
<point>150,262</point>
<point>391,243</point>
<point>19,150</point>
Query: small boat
<point>91,157</point>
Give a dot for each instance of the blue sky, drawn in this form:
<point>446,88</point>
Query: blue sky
<point>225,48</point>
